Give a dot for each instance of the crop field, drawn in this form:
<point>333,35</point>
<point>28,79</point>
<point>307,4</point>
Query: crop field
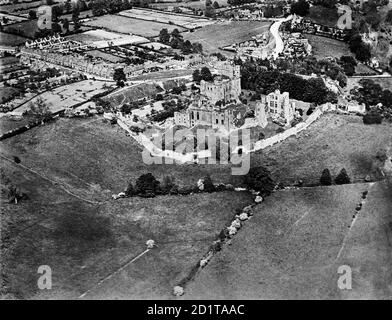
<point>333,142</point>
<point>294,244</point>
<point>127,25</point>
<point>189,22</point>
<point>223,34</point>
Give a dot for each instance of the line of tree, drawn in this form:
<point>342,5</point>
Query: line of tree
<point>341,178</point>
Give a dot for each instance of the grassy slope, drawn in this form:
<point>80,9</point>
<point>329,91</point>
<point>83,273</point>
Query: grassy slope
<point>333,142</point>
<point>83,243</point>
<point>289,249</point>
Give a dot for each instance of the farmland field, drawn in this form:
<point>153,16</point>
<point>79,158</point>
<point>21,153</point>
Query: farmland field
<point>220,35</point>
<point>294,244</point>
<point>127,25</point>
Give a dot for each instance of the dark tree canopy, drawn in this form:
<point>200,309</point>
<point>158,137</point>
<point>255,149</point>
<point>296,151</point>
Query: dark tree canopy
<point>342,177</point>
<point>326,179</point>
<point>259,179</point>
<point>300,8</point>
<point>146,184</point>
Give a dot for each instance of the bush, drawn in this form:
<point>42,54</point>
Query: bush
<point>326,179</point>
<point>130,191</point>
<point>342,177</point>
<point>208,185</point>
<point>168,186</point>
<point>372,117</point>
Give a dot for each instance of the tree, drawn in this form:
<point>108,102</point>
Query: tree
<point>300,8</point>
<point>342,177</point>
<point>216,5</point>
<point>208,185</point>
<point>119,77</point>
<point>164,36</point>
<point>39,110</point>
<point>259,179</point>
<point>147,185</point>
<point>326,179</point>
<point>32,15</point>
<point>205,74</point>
<point>75,18</point>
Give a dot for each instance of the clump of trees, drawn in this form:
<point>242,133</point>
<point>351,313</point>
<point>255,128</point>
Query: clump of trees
<point>341,178</point>
<point>260,179</point>
<point>176,41</point>
<point>203,74</point>
<point>263,81</point>
<point>119,77</point>
<point>300,8</point>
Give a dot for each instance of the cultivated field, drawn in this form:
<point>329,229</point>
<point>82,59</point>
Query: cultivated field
<point>293,246</point>
<point>223,34</point>
<point>127,25</point>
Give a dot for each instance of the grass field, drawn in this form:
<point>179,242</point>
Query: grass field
<point>334,142</point>
<point>83,243</point>
<point>290,248</point>
<point>127,25</point>
<point>323,47</point>
<point>161,75</point>
<point>98,153</point>
<point>11,40</point>
<point>223,34</point>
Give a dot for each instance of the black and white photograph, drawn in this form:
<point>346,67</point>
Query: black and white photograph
<point>195,150</point>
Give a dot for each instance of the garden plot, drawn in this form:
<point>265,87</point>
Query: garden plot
<point>68,95</point>
<point>126,25</point>
<point>188,22</point>
<point>103,39</point>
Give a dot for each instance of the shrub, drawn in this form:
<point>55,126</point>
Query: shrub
<point>326,179</point>
<point>130,191</point>
<point>168,185</point>
<point>208,185</point>
<point>372,117</point>
<point>342,177</point>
